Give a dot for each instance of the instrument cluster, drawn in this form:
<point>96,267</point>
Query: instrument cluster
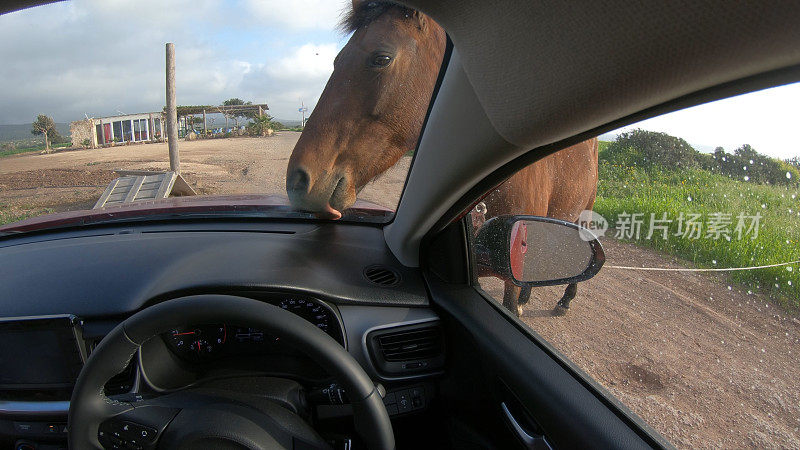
<point>210,341</point>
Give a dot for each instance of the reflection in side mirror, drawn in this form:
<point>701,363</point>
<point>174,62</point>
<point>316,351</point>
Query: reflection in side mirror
<point>537,251</point>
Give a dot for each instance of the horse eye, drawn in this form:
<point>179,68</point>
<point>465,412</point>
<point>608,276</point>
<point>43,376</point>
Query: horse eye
<point>380,60</point>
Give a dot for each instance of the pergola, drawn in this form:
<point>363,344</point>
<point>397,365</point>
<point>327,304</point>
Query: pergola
<point>226,110</point>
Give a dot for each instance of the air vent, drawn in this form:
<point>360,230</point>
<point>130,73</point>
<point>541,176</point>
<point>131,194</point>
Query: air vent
<point>407,349</point>
<point>411,345</point>
<point>382,276</point>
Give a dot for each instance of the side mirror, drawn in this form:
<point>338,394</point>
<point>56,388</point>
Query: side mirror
<point>537,251</point>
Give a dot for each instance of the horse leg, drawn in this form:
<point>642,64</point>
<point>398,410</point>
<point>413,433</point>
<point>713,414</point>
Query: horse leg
<point>563,305</point>
<point>524,296</point>
<point>511,295</point>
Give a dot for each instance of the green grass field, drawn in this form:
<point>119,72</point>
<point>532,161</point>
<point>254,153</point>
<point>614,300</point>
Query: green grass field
<point>658,190</point>
<point>30,148</point>
<point>9,216</point>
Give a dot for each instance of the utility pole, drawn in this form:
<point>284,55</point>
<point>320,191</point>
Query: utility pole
<point>172,112</point>
<point>303,110</point>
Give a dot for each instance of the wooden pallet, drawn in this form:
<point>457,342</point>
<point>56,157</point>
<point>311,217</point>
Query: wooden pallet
<point>137,186</point>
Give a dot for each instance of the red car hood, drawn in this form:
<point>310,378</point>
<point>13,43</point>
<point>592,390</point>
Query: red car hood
<point>260,205</point>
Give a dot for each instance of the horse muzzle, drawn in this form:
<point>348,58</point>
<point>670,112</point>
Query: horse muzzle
<point>326,196</point>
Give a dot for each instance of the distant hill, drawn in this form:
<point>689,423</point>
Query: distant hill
<point>288,122</point>
<point>22,131</point>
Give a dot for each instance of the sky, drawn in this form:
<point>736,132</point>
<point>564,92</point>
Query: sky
<point>106,57</point>
<point>767,120</point>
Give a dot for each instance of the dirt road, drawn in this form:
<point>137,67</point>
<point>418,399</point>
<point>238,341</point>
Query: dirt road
<point>75,179</point>
<point>704,363</point>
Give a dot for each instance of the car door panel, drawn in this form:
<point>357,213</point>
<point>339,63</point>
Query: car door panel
<point>527,379</point>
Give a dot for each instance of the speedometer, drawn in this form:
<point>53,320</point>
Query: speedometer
<point>310,310</point>
<point>199,341</point>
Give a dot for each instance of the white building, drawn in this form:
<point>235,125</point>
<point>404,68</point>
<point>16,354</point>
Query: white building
<point>99,132</point>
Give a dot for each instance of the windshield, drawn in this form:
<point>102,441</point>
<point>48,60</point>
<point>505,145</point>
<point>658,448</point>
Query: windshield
<point>307,108</point>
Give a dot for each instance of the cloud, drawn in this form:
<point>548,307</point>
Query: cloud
<point>299,76</point>
<point>101,57</point>
<point>310,61</point>
<point>296,14</point>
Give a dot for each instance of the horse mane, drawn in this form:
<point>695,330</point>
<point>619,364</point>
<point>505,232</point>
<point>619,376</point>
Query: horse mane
<point>365,13</point>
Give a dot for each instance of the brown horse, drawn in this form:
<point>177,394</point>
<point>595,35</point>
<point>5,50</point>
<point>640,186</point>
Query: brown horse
<point>371,113</point>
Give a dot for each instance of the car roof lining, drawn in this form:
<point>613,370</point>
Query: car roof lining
<point>547,70</point>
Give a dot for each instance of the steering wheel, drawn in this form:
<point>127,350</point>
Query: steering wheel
<point>187,419</point>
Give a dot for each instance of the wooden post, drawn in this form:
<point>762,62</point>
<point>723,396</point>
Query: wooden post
<point>151,124</point>
<point>172,112</point>
<point>205,125</point>
<point>259,111</point>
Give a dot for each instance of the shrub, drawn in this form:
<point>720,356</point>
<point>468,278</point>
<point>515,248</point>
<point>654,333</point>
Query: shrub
<point>745,163</point>
<point>657,151</point>
<point>648,148</point>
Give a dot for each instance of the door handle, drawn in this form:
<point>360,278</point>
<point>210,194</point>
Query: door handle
<point>533,442</point>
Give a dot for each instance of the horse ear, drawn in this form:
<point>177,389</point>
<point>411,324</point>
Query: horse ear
<point>422,19</point>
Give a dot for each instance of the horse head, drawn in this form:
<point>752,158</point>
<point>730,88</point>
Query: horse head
<point>372,108</point>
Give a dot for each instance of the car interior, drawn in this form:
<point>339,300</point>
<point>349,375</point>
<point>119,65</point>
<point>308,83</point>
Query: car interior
<point>187,331</point>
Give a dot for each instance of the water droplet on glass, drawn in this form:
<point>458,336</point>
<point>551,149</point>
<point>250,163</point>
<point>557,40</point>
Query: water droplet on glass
<point>789,269</point>
<point>744,167</point>
<point>789,175</point>
<point>689,198</point>
<point>713,261</point>
<point>746,178</point>
<point>751,161</point>
<point>763,206</point>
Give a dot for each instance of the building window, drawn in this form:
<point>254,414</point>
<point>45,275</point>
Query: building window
<point>127,134</point>
<point>139,129</point>
<point>117,131</point>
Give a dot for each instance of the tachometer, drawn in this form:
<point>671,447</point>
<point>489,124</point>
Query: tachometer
<point>199,341</point>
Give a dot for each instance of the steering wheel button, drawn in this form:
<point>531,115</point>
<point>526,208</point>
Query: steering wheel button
<point>403,401</point>
<point>138,433</point>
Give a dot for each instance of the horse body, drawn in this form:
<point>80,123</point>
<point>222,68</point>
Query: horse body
<point>560,186</point>
<point>371,113</point>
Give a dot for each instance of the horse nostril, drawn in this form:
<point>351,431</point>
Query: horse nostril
<point>298,181</point>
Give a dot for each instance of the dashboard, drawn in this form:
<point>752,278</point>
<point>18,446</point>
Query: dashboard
<point>94,278</point>
<point>203,342</point>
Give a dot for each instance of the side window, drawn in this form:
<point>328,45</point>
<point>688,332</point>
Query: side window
<point>692,322</point>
